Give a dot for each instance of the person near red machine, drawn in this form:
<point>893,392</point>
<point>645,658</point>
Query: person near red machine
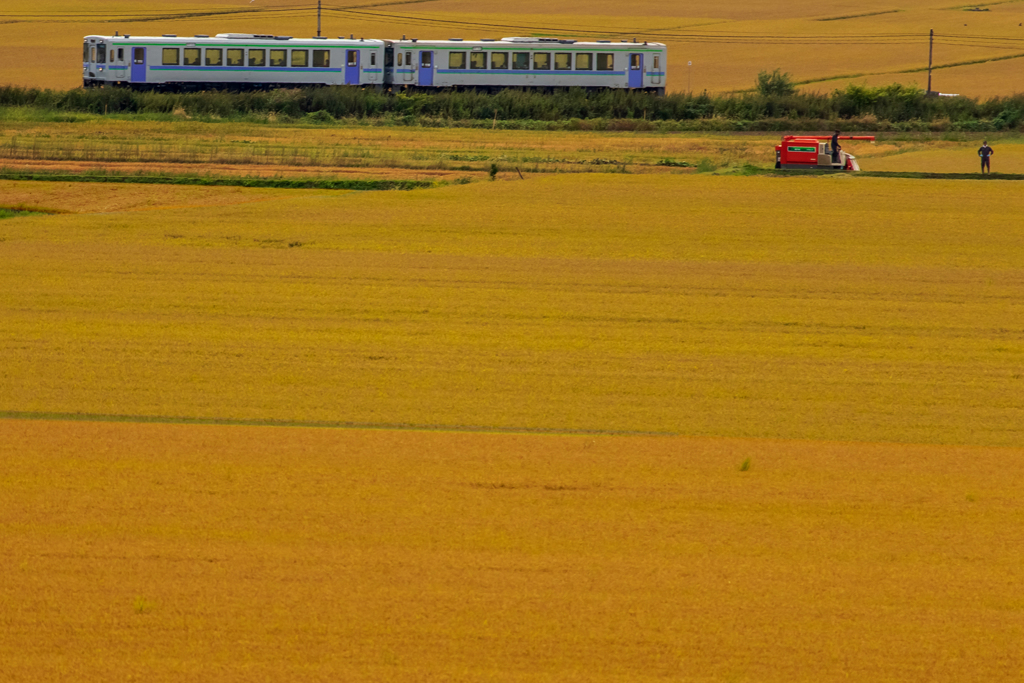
<point>835,148</point>
<point>986,152</point>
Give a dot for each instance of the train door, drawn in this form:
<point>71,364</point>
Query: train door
<point>426,67</point>
<point>389,64</point>
<point>138,65</point>
<point>371,73</point>
<point>656,70</point>
<point>117,62</point>
<point>636,70</point>
<point>351,67</point>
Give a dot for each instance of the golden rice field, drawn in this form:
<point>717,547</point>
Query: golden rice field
<point>825,44</point>
<point>179,553</point>
<point>595,427</point>
<point>819,308</point>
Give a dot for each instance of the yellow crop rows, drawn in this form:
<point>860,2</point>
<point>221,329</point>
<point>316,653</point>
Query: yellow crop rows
<point>824,308</point>
<point>178,553</point>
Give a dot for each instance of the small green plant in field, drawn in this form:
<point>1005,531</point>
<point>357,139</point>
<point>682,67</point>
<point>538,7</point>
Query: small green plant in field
<point>464,180</point>
<point>706,166</point>
<point>971,498</point>
<point>320,116</point>
<point>142,605</point>
<point>673,162</point>
<point>745,465</point>
<point>494,171</point>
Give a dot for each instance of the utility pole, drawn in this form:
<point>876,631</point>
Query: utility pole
<point>318,22</point>
<point>931,43</point>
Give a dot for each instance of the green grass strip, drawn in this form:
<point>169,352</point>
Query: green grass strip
<point>219,181</point>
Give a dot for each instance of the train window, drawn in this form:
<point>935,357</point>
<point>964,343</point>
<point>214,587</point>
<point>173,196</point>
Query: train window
<point>279,58</point>
<point>93,53</point>
<point>236,57</point>
<point>389,57</point>
<point>657,61</point>
<point>300,57</point>
<point>101,54</point>
<point>520,60</point>
<point>634,62</point>
<point>399,59</point>
<point>425,59</point>
<point>499,60</point>
<point>456,60</point>
<point>214,57</point>
<point>373,59</point>
<point>584,62</point>
<point>605,61</point>
<point>120,54</point>
<point>542,61</point>
<point>477,60</point>
<point>257,57</point>
<point>139,55</point>
<point>352,58</point>
<point>563,61</point>
<point>191,56</point>
<point>85,52</point>
<point>171,56</point>
<point>321,58</point>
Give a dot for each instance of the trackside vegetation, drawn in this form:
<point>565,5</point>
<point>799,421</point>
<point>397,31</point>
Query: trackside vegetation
<point>771,106</point>
<point>101,176</point>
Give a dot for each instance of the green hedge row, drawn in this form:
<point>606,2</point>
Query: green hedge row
<point>166,179</point>
<point>893,104</point>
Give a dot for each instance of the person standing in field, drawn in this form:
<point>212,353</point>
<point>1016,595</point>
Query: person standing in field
<point>986,153</point>
<point>835,147</point>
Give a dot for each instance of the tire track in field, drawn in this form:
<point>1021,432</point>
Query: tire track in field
<point>321,424</point>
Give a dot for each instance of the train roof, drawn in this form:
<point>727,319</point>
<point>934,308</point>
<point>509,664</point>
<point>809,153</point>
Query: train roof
<point>262,38</point>
<point>513,42</point>
<point>531,42</point>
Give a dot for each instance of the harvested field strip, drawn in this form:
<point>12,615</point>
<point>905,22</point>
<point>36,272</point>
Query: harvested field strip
<point>109,198</point>
<point>143,178</point>
<point>181,552</point>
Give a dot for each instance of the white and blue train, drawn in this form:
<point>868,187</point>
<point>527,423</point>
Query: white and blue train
<point>246,60</point>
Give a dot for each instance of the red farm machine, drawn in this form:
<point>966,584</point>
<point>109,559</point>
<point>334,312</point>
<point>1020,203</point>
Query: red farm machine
<point>815,153</point>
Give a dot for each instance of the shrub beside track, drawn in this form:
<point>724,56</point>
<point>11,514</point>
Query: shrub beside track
<point>892,107</point>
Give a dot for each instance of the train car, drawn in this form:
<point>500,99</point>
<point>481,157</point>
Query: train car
<point>230,60</point>
<point>535,63</point>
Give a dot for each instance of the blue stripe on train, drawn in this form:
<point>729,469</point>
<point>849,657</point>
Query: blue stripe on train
<point>294,69</point>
